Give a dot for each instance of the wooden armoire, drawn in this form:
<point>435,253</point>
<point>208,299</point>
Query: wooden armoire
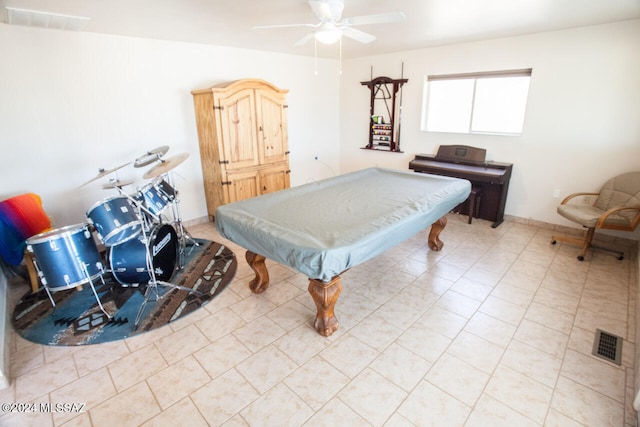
<point>242,129</point>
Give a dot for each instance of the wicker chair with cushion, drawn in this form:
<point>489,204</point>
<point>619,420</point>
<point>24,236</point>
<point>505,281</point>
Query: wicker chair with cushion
<point>617,207</point>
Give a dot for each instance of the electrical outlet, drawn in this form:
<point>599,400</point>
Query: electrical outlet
<point>556,193</point>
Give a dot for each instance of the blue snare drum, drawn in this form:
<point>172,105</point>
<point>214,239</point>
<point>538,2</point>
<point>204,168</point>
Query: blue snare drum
<point>157,196</point>
<point>129,260</point>
<point>115,219</point>
<point>66,257</point>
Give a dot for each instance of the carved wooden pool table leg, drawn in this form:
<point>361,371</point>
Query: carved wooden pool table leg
<point>325,296</point>
<point>434,235</point>
<point>260,283</point>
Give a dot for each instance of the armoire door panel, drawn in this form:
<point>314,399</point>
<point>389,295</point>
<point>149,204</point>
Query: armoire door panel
<point>243,185</point>
<point>274,179</point>
<point>239,142</point>
<point>272,131</point>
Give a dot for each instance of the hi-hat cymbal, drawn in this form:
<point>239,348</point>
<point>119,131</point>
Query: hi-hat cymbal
<point>117,184</point>
<point>104,172</point>
<point>151,156</point>
<point>165,165</point>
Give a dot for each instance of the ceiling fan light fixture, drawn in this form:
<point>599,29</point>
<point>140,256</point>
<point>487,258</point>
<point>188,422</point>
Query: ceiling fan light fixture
<point>328,36</point>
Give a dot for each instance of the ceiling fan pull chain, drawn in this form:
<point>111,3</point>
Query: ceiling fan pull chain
<point>340,70</point>
<point>315,54</point>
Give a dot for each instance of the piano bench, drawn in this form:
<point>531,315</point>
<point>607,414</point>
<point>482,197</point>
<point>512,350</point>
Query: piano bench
<point>475,197</point>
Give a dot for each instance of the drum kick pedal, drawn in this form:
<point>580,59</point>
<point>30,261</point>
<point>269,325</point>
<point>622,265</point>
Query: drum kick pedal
<point>183,237</point>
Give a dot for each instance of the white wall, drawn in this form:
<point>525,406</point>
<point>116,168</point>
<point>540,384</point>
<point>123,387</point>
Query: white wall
<point>71,103</point>
<point>582,125</point>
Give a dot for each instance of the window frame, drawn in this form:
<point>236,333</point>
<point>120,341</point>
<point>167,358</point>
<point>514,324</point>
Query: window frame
<point>475,76</point>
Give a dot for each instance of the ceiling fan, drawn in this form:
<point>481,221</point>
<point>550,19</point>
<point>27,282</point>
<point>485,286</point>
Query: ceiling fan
<point>331,26</point>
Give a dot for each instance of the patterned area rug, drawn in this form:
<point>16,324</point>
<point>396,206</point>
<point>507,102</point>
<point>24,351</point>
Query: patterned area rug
<point>78,320</point>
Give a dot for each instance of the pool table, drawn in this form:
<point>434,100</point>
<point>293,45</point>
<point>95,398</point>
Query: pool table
<point>324,228</point>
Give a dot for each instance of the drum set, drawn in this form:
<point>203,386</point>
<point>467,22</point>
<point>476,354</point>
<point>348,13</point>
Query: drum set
<point>143,246</point>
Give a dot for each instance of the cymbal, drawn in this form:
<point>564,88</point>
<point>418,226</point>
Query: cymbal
<point>117,184</point>
<point>151,156</point>
<point>165,165</point>
<point>104,172</point>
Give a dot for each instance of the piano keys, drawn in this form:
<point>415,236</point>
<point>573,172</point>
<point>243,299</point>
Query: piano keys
<point>462,161</point>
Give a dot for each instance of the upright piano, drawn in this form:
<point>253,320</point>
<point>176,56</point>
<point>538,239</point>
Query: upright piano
<point>463,161</point>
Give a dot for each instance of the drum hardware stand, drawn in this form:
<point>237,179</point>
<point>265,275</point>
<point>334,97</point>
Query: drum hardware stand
<point>183,234</point>
<point>86,273</point>
<point>152,156</point>
<point>183,237</point>
<point>141,207</point>
<point>147,221</point>
<point>152,285</point>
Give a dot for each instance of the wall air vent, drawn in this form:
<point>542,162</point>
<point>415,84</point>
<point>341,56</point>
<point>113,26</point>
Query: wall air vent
<point>33,18</point>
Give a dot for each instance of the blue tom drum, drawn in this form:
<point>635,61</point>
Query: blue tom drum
<point>157,196</point>
<point>66,257</point>
<point>115,220</point>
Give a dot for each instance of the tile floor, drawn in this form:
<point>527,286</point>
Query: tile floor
<point>494,330</point>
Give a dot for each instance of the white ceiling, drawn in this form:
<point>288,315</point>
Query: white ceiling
<point>428,22</point>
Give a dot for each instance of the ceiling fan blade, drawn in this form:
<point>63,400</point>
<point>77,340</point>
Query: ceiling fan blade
<point>263,27</point>
<point>381,18</point>
<point>330,10</point>
<point>357,35</point>
<point>304,40</point>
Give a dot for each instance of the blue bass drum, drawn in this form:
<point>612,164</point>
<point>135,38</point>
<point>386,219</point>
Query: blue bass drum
<point>128,261</point>
<point>66,257</point>
<point>115,219</point>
